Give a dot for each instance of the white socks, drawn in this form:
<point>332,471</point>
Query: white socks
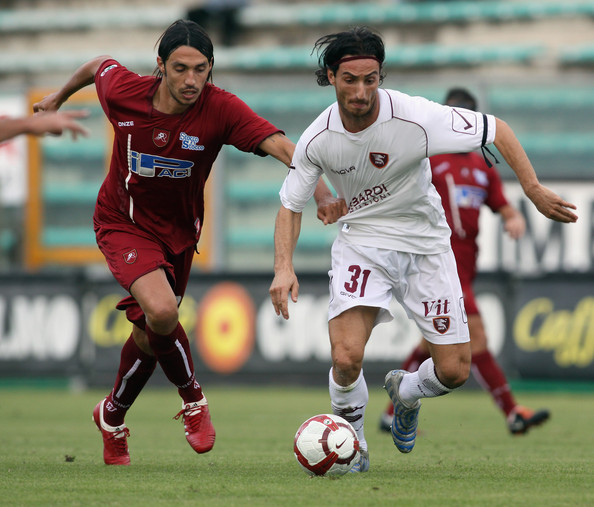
<point>350,402</point>
<point>422,383</point>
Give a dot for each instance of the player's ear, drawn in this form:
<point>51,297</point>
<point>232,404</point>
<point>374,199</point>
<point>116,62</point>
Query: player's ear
<point>161,64</point>
<point>331,77</point>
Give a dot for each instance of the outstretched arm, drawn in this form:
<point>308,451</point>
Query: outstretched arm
<point>546,201</point>
<point>513,221</point>
<point>330,208</point>
<point>286,233</point>
<point>43,123</point>
<point>83,76</point>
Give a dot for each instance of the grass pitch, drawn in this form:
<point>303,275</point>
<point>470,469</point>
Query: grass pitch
<point>51,453</point>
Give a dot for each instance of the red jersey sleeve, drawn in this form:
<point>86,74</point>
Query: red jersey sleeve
<point>244,128</point>
<point>105,75</point>
<point>113,84</point>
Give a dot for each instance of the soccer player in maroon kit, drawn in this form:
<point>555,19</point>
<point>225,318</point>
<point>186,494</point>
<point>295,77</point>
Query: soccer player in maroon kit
<point>168,131</point>
<point>465,182</point>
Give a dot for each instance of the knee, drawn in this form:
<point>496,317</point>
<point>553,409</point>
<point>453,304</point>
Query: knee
<point>347,366</point>
<point>455,373</point>
<point>162,318</point>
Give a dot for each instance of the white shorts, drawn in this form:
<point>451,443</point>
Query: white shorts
<point>427,287</point>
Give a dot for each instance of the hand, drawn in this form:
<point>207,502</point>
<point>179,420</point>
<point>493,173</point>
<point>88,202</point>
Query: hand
<point>283,283</point>
<point>48,103</point>
<point>515,226</point>
<point>551,205</point>
<point>57,122</point>
<point>330,209</point>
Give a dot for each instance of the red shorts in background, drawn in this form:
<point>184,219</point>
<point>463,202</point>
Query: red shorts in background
<point>466,253</point>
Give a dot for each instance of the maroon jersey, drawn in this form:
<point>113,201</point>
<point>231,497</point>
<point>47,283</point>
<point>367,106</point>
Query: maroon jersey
<point>465,183</point>
<point>160,162</point>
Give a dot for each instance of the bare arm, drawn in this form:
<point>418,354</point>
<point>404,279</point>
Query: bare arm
<point>83,76</point>
<point>513,221</point>
<point>546,201</point>
<point>44,123</point>
<point>280,147</point>
<point>330,208</point>
<point>286,233</point>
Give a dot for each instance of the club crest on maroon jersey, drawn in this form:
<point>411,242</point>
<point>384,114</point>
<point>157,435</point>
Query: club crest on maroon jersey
<point>160,137</point>
<point>379,160</point>
<point>441,324</point>
<point>131,256</point>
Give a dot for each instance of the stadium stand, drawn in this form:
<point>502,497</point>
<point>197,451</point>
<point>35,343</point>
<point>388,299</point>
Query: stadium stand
<point>582,55</point>
<point>529,61</point>
<point>396,13</point>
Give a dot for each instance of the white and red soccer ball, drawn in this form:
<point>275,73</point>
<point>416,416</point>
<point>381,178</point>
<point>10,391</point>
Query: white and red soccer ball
<point>326,444</point>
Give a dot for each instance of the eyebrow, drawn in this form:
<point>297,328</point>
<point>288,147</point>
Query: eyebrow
<point>201,64</point>
<point>357,75</point>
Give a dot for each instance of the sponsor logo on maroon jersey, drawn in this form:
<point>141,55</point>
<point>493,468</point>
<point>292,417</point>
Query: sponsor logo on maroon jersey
<point>131,256</point>
<point>160,137</point>
<point>379,160</point>
<point>107,69</point>
<point>441,324</point>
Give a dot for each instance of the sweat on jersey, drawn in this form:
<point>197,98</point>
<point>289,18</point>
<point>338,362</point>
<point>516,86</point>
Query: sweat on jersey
<point>383,172</point>
<point>160,162</point>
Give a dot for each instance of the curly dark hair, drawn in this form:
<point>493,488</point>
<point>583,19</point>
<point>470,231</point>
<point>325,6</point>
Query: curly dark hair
<point>358,41</point>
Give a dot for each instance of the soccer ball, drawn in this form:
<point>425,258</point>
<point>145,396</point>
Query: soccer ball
<point>326,444</point>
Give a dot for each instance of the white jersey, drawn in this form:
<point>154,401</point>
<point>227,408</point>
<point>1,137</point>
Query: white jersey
<point>383,172</point>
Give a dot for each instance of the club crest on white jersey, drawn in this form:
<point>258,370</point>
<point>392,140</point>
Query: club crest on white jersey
<point>379,160</point>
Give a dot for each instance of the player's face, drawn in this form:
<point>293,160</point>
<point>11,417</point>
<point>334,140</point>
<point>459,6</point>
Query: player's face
<point>184,74</point>
<point>356,83</point>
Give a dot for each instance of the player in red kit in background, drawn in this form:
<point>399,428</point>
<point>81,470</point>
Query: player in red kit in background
<point>168,131</point>
<point>465,182</point>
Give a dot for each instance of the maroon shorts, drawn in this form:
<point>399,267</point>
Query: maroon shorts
<point>466,254</point>
<point>130,255</point>
<point>469,299</point>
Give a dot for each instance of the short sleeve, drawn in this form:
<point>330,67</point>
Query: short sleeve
<point>245,129</point>
<point>300,183</point>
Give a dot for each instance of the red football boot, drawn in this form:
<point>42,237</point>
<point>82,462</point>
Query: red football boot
<point>200,432</point>
<point>115,444</point>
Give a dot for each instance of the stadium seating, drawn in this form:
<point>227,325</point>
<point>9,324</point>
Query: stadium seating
<point>581,55</point>
<point>508,52</point>
<point>405,13</point>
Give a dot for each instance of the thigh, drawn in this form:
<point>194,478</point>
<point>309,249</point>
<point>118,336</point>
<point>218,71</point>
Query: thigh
<point>350,330</point>
<point>357,279</point>
<point>153,291</point>
<point>130,255</point>
<point>168,281</point>
<point>431,293</point>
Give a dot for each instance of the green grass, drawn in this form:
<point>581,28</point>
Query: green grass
<point>464,456</point>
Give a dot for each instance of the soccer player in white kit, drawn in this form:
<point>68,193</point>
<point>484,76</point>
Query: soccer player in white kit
<point>373,145</point>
